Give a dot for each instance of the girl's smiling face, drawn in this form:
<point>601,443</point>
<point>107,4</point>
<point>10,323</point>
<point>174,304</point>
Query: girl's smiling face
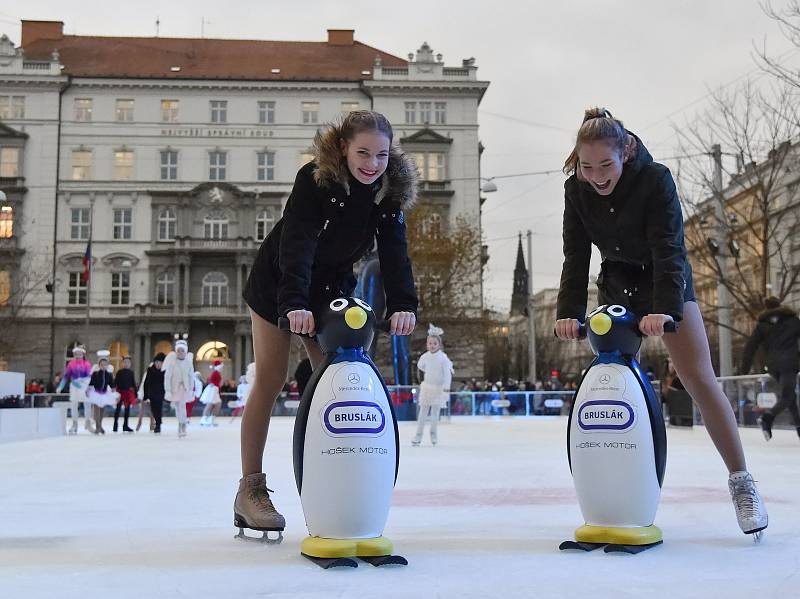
<point>433,345</point>
<point>367,155</point>
<point>600,164</point>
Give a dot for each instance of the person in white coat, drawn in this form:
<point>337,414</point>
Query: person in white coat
<point>434,390</point>
<point>179,381</point>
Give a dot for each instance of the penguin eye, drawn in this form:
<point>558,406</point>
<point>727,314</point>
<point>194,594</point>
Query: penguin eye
<point>616,310</point>
<point>338,305</point>
<point>363,304</point>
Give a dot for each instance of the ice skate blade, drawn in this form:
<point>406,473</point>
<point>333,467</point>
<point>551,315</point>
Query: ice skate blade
<point>566,545</point>
<point>332,562</point>
<point>266,539</point>
<point>385,560</point>
<point>758,534</point>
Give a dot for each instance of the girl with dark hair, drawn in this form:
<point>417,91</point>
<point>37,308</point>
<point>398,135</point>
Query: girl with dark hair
<point>354,192</point>
<point>620,200</point>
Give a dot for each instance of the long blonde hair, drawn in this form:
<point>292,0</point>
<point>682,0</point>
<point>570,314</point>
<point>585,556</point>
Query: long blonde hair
<point>598,124</point>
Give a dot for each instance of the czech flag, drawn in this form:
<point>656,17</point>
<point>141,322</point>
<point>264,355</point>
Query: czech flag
<point>87,263</point>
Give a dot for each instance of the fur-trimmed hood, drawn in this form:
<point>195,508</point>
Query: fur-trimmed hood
<point>398,183</point>
<point>776,314</point>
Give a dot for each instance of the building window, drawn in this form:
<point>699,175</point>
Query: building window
<point>431,165</point>
<point>9,162</point>
<point>81,165</point>
<point>215,225</point>
<point>120,288</point>
<point>425,112</point>
<point>264,223</point>
<point>169,111</point>
<point>310,112</point>
<point>167,223</point>
<point>217,165</point>
<point>348,107</point>
<point>219,111</point>
<point>266,113</point>
<point>165,289</point>
<point>118,350</point>
<point>79,224</point>
<point>124,112</point>
<point>215,289</point>
<point>6,222</point>
<point>440,113</point>
<point>76,290</point>
<point>83,109</point>
<point>12,107</point>
<point>411,113</point>
<point>123,165</point>
<point>169,165</point>
<point>5,287</point>
<point>432,226</point>
<point>265,169</point>
<point>123,223</point>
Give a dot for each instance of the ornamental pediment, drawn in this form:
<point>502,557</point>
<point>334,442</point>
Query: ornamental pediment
<point>426,136</point>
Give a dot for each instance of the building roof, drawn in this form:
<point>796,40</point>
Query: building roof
<point>157,57</point>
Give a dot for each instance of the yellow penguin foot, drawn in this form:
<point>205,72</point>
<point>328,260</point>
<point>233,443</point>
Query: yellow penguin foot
<point>329,553</point>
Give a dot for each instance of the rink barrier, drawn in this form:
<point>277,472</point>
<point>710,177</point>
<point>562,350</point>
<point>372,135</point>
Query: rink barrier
<point>745,392</point>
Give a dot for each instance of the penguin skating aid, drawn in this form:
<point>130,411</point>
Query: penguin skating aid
<point>346,447</point>
<point>616,440</point>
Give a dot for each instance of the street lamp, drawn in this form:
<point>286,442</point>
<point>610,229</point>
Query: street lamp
<point>490,186</point>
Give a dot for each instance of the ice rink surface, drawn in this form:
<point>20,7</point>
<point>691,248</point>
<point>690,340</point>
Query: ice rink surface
<point>479,515</point>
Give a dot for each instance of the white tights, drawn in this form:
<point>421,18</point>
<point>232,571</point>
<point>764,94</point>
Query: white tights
<point>427,412</point>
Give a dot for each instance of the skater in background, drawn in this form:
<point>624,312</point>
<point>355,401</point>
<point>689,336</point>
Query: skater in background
<point>151,391</point>
<point>778,332</point>
<point>78,373</point>
<point>198,391</point>
<point>243,390</point>
<point>434,390</point>
<point>179,381</point>
<point>626,204</point>
<point>210,397</point>
<point>125,381</point>
<point>101,389</point>
<point>307,260</point>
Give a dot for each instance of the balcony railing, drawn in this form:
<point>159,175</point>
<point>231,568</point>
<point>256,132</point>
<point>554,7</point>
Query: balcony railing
<point>192,243</point>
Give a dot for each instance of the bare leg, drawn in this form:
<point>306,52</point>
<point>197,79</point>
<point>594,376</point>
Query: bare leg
<point>271,353</point>
<point>689,351</point>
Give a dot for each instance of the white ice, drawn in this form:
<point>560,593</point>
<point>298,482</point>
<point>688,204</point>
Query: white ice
<point>479,515</point>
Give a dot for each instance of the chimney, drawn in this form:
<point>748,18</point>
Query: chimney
<point>340,37</point>
<point>33,31</point>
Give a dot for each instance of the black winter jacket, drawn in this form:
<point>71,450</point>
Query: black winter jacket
<point>125,379</point>
<point>330,222</point>
<point>778,330</point>
<point>154,383</point>
<point>640,223</point>
<point>101,380</point>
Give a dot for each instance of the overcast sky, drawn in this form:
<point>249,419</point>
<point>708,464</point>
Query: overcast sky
<point>650,62</point>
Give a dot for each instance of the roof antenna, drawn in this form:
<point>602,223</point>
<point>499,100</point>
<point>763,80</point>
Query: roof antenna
<point>158,22</point>
<point>203,23</point>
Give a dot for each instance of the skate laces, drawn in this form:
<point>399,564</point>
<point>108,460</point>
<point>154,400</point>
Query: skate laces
<point>745,497</point>
<point>260,497</point>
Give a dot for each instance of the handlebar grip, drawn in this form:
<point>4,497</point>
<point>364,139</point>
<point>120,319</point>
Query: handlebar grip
<point>284,325</point>
<point>671,327</point>
<point>581,330</point>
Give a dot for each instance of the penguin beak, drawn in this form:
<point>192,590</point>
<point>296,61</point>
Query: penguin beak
<point>600,323</point>
<point>355,317</point>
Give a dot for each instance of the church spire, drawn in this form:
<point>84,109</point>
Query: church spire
<point>519,297</point>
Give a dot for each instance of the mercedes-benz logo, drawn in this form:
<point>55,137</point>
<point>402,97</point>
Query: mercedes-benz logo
<point>605,379</point>
<point>353,378</point>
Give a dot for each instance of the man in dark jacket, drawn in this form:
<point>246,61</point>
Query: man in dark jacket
<point>778,331</point>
